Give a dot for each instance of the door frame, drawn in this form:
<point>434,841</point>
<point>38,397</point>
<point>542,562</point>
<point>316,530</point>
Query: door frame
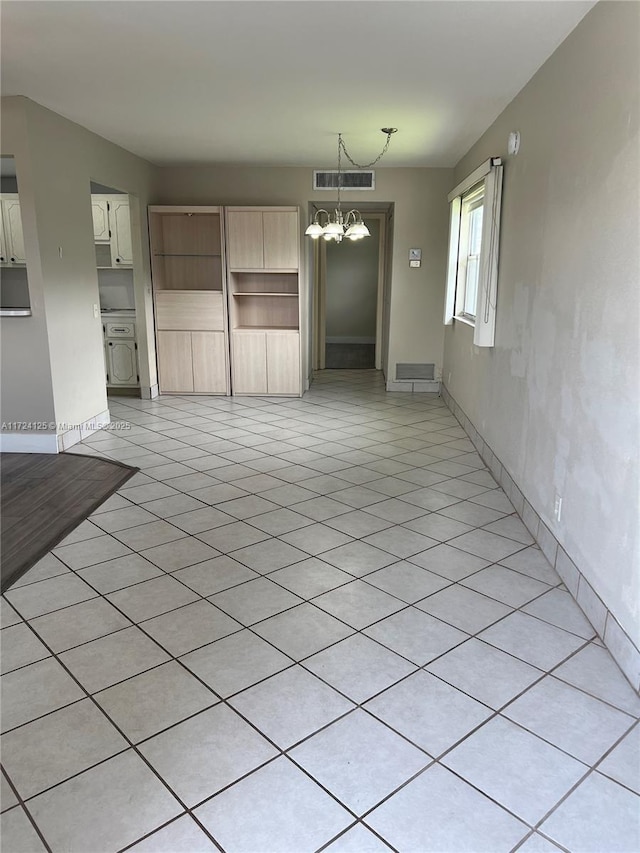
<point>320,294</point>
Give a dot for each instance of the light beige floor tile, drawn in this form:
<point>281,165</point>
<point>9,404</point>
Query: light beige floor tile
<point>290,706</point>
<point>302,631</point>
<point>37,756</point>
<point>151,598</point>
<point>190,627</point>
<point>181,836</point>
<point>122,786</point>
<point>18,834</point>
<point>79,624</point>
<point>235,662</point>
<point>110,659</point>
<point>45,596</point>
<point>421,817</point>
<point>144,705</point>
<point>287,806</point>
<point>428,712</point>
<point>19,647</point>
<point>35,690</point>
<point>526,775</point>
<point>359,760</point>
<point>359,667</point>
<point>206,753</point>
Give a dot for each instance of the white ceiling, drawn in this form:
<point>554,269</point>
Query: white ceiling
<point>273,82</point>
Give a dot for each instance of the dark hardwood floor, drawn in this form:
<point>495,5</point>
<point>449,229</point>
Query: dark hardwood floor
<point>43,498</point>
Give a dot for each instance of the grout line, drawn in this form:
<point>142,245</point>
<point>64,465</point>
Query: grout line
<point>267,576</point>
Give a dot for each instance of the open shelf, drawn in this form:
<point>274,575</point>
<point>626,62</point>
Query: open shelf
<point>186,254</point>
<point>263,328</point>
<point>258,293</point>
<point>186,250</point>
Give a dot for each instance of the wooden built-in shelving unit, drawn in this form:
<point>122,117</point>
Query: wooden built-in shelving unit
<point>189,282</point>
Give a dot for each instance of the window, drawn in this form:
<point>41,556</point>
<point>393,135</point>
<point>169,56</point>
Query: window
<point>469,254</point>
<point>473,251</point>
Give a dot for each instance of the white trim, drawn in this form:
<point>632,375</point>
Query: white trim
<point>79,432</point>
<point>149,393</point>
<point>485,325</point>
<point>452,266</point>
<point>28,442</point>
<point>475,177</point>
<point>414,386</point>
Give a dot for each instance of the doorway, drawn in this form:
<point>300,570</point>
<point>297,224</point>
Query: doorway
<point>113,243</point>
<point>349,299</point>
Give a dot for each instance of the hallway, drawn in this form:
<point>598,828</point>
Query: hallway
<point>308,624</point>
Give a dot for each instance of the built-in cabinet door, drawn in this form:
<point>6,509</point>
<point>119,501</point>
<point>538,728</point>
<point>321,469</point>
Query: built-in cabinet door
<point>280,239</point>
<point>249,363</point>
<point>120,221</point>
<point>283,363</point>
<point>209,362</point>
<point>100,214</point>
<point>245,239</point>
<point>175,370</point>
<point>13,231</point>
<point>122,365</point>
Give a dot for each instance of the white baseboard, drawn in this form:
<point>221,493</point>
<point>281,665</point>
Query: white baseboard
<point>414,386</point>
<point>79,432</point>
<point>28,442</point>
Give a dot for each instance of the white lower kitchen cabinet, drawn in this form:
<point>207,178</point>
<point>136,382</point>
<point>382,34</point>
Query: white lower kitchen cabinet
<point>120,350</point>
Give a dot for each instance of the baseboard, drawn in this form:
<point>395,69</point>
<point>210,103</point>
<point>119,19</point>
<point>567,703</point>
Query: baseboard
<point>414,386</point>
<point>78,432</point>
<point>622,648</point>
<point>149,392</point>
<point>28,442</point>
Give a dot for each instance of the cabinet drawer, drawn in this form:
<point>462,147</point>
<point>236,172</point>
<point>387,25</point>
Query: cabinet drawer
<point>189,311</point>
<point>114,329</point>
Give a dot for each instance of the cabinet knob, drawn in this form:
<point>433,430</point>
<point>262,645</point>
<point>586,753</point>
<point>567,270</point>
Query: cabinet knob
<point>2,258</point>
<point>117,260</point>
<point>110,343</point>
<point>13,260</point>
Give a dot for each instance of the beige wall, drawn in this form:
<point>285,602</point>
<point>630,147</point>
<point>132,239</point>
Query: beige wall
<point>557,397</point>
<point>421,220</point>
<point>352,286</point>
<point>55,162</point>
<point>25,371</point>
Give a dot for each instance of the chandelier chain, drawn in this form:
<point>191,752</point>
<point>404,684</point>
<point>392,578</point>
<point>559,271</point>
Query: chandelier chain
<point>342,146</point>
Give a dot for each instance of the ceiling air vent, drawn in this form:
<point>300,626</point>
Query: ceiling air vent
<point>351,179</point>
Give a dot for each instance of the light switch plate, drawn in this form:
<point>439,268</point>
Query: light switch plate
<point>414,263</point>
<point>415,254</point>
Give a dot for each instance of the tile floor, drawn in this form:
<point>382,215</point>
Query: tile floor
<point>307,625</point>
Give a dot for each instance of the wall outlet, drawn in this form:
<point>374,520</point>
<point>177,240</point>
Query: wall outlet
<point>557,508</point>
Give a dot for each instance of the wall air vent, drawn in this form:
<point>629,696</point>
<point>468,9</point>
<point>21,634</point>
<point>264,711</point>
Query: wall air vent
<point>351,179</point>
<point>414,371</point>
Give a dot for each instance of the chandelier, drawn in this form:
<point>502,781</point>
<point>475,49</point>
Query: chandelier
<point>348,224</point>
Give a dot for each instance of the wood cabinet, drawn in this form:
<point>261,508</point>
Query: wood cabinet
<point>263,238</point>
<point>266,362</point>
<point>264,300</point>
<point>12,241</point>
<point>187,253</point>
<point>112,230</point>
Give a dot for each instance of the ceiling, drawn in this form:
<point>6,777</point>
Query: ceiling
<point>273,82</point>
